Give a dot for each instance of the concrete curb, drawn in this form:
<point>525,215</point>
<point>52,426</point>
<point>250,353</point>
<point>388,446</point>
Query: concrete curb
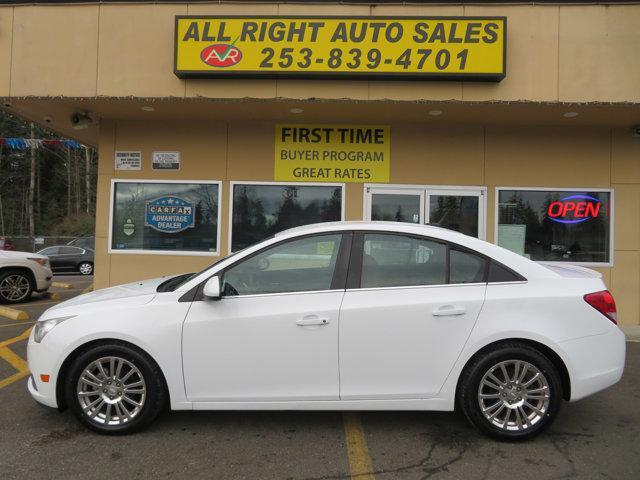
<point>13,314</point>
<point>632,332</point>
<point>61,285</point>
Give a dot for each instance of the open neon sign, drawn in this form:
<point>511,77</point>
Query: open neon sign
<point>579,208</point>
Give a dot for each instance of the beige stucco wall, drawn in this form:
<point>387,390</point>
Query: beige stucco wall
<point>555,53</point>
<point>474,155</point>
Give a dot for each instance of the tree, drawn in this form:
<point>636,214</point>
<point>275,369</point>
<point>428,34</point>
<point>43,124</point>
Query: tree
<point>33,183</point>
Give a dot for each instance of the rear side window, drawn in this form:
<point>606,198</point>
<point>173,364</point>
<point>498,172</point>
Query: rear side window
<point>465,267</point>
<point>398,260</point>
<point>498,273</point>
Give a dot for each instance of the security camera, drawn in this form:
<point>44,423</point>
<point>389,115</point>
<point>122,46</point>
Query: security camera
<point>635,131</point>
<point>81,120</point>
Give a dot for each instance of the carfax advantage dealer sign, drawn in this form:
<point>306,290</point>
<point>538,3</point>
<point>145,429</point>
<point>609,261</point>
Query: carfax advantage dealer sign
<point>357,47</point>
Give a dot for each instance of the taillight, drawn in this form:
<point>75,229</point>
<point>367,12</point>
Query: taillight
<point>603,302</point>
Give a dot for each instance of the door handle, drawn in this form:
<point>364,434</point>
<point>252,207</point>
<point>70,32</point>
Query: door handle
<point>449,311</point>
<point>312,320</point>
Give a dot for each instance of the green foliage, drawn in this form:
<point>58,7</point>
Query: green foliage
<point>57,174</point>
<point>74,225</point>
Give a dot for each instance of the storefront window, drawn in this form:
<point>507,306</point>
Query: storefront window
<point>560,226</point>
<point>165,217</point>
<point>260,211</point>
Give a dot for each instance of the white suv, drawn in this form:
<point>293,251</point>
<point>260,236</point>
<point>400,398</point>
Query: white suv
<point>21,273</point>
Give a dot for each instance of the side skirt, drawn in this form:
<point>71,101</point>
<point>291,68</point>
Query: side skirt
<point>435,404</point>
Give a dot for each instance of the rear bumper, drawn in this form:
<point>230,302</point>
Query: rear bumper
<point>596,362</point>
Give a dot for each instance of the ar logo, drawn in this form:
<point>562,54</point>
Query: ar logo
<point>221,55</point>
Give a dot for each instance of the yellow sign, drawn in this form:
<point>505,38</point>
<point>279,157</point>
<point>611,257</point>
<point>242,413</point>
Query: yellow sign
<point>332,153</point>
<point>356,47</point>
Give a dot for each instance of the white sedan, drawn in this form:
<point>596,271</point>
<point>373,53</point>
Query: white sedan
<point>342,316</point>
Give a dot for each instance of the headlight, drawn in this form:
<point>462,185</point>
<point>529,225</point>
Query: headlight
<point>43,262</point>
<point>44,327</point>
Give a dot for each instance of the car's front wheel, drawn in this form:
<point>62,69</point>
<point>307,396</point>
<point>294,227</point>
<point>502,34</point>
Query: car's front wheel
<point>115,389</point>
<point>512,391</point>
<point>15,286</point>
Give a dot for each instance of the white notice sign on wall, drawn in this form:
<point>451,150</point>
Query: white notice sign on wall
<point>128,160</point>
<point>166,161</point>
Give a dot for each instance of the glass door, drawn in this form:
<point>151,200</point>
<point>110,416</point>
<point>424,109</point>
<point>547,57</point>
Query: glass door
<point>395,205</point>
<point>456,209</point>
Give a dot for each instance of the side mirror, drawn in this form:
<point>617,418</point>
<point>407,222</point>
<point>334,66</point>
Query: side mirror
<point>212,288</point>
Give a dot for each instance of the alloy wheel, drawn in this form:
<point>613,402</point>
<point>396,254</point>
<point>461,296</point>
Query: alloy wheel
<point>514,395</point>
<point>86,268</point>
<point>14,288</point>
<point>111,391</point>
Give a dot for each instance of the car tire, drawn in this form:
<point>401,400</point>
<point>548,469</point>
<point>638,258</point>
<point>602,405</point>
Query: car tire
<point>15,286</point>
<point>510,392</point>
<point>96,390</point>
<point>85,268</point>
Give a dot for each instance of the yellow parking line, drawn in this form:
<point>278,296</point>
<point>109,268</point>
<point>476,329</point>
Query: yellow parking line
<point>360,463</point>
<point>62,285</point>
<point>15,361</point>
<point>23,336</point>
<point>16,324</point>
<point>37,304</point>
<point>13,378</point>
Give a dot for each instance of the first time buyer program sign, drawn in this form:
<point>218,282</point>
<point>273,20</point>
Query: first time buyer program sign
<point>355,47</point>
<point>335,153</point>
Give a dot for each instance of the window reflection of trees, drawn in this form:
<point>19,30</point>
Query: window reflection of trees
<point>260,211</point>
<point>552,241</point>
<point>130,203</point>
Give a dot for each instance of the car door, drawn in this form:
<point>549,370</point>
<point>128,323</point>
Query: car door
<point>409,308</point>
<point>273,335</point>
<point>69,258</point>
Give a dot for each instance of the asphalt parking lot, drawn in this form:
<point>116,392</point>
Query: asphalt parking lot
<point>597,438</point>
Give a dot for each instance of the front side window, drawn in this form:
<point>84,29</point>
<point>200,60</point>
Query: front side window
<point>300,265</point>
<point>398,260</point>
<point>165,217</point>
<point>552,225</point>
<point>260,211</point>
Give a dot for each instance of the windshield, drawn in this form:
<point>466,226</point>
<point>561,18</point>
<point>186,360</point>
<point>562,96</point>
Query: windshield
<point>176,282</point>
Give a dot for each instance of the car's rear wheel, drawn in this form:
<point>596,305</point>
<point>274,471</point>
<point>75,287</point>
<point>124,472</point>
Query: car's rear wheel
<point>511,392</point>
<point>85,268</point>
<point>15,286</point>
<point>115,389</point>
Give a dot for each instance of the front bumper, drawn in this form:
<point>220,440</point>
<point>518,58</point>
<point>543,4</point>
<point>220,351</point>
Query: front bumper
<point>43,277</point>
<point>42,361</point>
<point>595,362</point>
